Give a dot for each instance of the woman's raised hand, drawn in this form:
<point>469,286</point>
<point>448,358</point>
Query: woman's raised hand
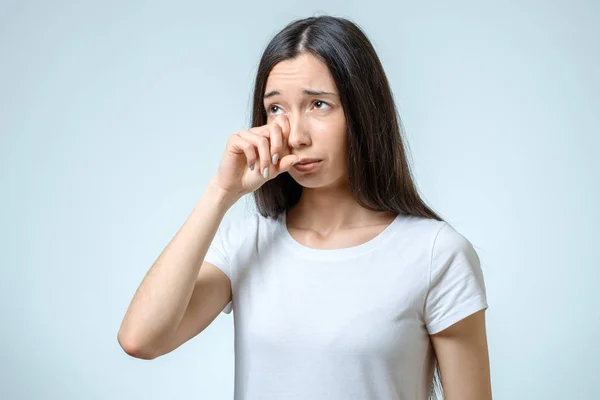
<point>252,157</point>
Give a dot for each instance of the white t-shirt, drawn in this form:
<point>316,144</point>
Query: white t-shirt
<point>343,324</point>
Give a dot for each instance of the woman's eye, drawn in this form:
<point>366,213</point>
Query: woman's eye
<point>320,102</point>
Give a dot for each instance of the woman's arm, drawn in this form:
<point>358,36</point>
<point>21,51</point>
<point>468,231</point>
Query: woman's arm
<point>463,358</point>
<point>162,298</point>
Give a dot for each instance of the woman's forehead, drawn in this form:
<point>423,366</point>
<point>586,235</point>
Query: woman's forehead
<point>302,73</point>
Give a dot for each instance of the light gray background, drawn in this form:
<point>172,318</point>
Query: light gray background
<point>114,116</point>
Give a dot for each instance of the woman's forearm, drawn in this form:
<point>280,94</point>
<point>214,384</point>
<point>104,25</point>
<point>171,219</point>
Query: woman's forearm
<point>163,295</point>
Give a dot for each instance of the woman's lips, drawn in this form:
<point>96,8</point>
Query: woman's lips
<point>307,160</point>
<point>307,165</point>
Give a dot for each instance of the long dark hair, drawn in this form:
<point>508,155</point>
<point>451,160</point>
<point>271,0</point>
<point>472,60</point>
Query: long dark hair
<point>379,176</point>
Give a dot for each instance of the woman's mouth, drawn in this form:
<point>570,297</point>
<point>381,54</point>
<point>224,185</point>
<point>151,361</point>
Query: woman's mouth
<point>307,165</point>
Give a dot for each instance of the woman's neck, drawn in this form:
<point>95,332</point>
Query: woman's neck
<point>328,210</point>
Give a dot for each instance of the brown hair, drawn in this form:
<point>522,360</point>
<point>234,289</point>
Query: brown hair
<point>379,177</point>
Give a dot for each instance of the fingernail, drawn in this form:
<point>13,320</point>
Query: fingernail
<point>275,158</point>
<point>266,173</point>
<point>295,162</point>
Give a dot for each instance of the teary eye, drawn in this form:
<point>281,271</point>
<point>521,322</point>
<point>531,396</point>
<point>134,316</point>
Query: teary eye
<point>273,107</point>
<point>321,102</point>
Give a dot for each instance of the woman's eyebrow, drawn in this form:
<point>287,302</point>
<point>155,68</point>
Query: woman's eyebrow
<point>305,91</point>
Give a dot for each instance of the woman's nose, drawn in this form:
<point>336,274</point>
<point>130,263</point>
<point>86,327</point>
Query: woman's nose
<point>299,135</point>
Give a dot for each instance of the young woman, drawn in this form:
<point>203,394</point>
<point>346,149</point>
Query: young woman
<point>345,284</point>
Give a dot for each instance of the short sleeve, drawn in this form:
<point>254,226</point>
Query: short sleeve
<point>220,251</point>
<point>456,284</point>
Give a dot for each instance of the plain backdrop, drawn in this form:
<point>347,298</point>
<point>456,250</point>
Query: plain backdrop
<point>114,116</point>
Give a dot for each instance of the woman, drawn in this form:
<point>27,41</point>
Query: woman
<point>345,285</point>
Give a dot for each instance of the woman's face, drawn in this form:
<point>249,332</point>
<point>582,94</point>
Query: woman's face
<point>303,90</point>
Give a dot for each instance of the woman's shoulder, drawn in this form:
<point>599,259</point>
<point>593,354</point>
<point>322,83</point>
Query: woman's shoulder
<point>440,235</point>
<point>421,226</point>
<point>249,223</point>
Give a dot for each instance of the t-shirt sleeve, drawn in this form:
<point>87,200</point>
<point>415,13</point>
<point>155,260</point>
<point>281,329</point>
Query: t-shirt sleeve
<point>456,284</point>
<point>221,250</point>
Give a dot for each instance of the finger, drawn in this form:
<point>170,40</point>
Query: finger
<point>287,163</point>
<point>284,123</point>
<point>273,133</point>
<point>261,143</point>
<point>276,142</point>
<point>261,130</point>
<point>278,132</point>
<point>241,145</point>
